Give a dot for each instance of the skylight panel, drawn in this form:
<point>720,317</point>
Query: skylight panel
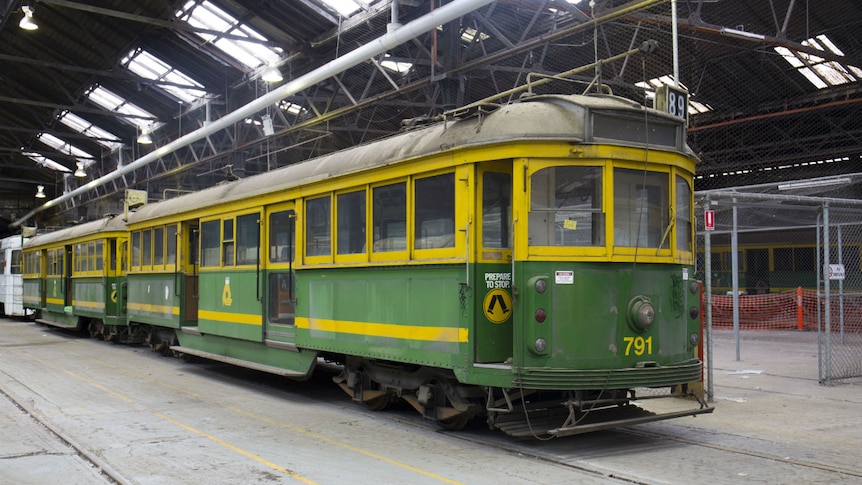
<point>100,136</point>
<point>650,86</point>
<point>395,66</point>
<point>65,148</point>
<point>46,162</point>
<point>291,108</point>
<point>345,8</point>
<point>137,116</point>
<point>175,82</point>
<point>470,33</point>
<point>820,72</point>
<point>252,53</point>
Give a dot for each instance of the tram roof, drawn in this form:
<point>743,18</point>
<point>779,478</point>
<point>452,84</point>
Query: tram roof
<point>538,118</point>
<point>107,224</point>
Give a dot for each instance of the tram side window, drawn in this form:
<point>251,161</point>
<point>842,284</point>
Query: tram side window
<point>390,217</point>
<point>98,259</point>
<point>683,215</point>
<point>281,229</point>
<point>641,211</point>
<point>351,222</point>
<point>147,247</point>
<point>210,243</point>
<point>15,264</point>
<point>159,245</point>
<point>318,241</point>
<point>247,238</point>
<point>496,209</point>
<point>227,242</point>
<point>435,212</point>
<point>171,245</point>
<point>566,207</point>
<point>136,249</point>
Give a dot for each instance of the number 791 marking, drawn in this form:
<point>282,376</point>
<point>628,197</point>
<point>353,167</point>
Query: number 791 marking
<point>638,345</point>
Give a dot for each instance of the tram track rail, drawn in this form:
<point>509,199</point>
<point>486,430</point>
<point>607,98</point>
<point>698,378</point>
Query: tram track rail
<point>102,467</point>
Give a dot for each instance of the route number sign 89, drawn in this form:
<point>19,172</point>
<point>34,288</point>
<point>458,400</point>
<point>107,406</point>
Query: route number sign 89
<point>672,100</point>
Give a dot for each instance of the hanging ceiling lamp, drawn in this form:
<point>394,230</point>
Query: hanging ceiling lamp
<point>40,191</point>
<point>271,74</point>
<point>27,22</point>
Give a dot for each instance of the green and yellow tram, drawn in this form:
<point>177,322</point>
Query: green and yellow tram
<point>529,263</point>
<point>75,277</point>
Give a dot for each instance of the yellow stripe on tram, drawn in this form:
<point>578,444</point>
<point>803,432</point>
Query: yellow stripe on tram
<point>408,332</point>
<point>226,317</point>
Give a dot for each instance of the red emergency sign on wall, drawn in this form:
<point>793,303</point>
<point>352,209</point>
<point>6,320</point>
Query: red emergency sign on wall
<point>709,220</point>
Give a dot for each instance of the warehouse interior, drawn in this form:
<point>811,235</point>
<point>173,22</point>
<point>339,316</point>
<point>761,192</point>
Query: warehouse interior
<point>91,87</point>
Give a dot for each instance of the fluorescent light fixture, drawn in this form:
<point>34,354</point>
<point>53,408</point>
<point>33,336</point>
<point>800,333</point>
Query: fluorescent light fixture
<point>80,173</point>
<point>805,184</point>
<point>741,34</point>
<point>27,22</point>
<point>40,191</point>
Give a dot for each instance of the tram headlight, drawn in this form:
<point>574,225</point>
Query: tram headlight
<point>541,345</point>
<point>641,313</point>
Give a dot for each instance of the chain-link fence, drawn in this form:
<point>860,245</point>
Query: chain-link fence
<point>795,272</point>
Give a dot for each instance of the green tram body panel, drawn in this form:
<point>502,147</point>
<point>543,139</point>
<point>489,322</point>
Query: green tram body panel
<point>33,293</point>
<point>591,340</point>
<point>229,304</point>
<point>153,298</point>
<point>412,314</point>
<point>94,297</point>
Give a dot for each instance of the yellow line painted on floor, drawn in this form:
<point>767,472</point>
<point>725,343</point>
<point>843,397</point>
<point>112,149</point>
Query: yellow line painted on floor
<point>345,445</point>
<point>100,387</point>
<point>83,379</point>
<point>236,449</point>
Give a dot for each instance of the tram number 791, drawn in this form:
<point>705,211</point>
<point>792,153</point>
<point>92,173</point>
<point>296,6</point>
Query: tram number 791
<point>638,345</point>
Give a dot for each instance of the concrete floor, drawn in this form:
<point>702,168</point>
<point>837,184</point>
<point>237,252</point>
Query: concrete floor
<point>81,411</point>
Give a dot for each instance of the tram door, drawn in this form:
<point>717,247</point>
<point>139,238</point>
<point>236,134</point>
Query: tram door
<point>492,278</point>
<point>189,263</point>
<point>279,239</point>
<point>67,275</point>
